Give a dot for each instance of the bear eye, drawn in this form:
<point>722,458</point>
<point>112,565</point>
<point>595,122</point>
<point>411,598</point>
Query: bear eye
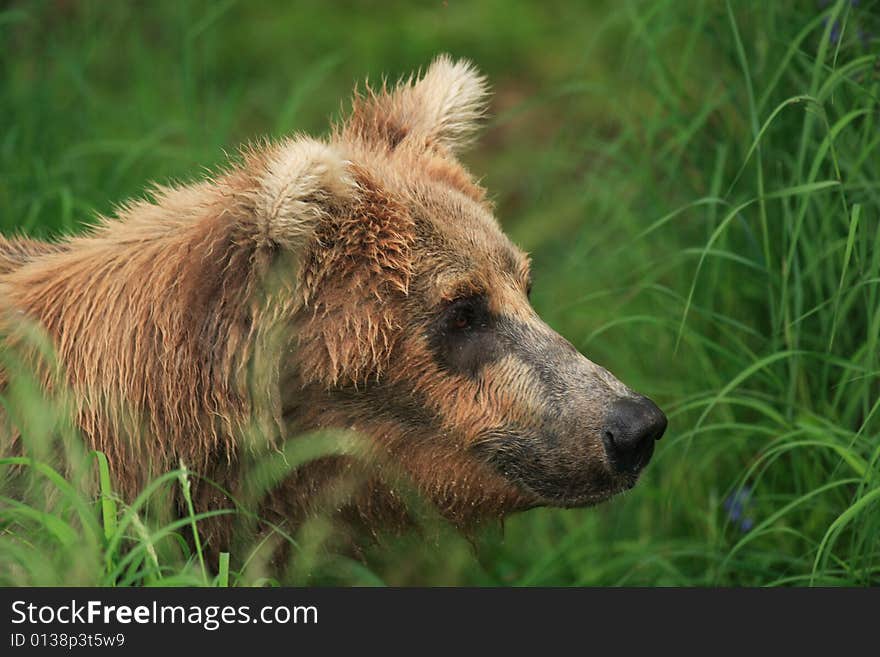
<point>465,314</point>
<point>463,334</point>
<point>462,318</point>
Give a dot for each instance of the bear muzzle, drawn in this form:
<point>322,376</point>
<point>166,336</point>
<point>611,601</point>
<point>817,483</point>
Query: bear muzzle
<point>580,435</point>
<point>631,428</point>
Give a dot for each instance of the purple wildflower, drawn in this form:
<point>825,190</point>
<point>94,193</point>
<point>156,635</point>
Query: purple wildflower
<point>835,34</point>
<point>736,505</point>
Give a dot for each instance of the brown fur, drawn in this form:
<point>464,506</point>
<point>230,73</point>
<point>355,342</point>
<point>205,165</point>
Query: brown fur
<point>300,290</point>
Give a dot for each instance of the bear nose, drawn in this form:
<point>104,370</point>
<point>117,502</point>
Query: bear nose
<point>632,426</point>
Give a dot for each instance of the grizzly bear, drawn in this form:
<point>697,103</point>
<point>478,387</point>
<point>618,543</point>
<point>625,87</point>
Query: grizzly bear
<point>358,283</point>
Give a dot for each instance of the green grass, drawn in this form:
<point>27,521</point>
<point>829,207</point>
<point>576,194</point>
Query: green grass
<point>698,183</point>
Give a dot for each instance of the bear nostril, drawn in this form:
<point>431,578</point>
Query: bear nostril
<point>631,427</point>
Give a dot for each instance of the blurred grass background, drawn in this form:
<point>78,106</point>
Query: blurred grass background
<point>698,183</point>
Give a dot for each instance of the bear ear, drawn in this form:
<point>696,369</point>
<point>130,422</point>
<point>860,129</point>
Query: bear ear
<point>299,181</point>
<point>442,106</point>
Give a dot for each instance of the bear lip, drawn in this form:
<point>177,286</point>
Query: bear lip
<point>499,451</point>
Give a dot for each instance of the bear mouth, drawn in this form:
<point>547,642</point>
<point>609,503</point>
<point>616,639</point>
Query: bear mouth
<point>539,468</point>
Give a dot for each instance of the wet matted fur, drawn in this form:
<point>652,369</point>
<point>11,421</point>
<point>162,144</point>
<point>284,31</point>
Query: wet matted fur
<point>358,283</point>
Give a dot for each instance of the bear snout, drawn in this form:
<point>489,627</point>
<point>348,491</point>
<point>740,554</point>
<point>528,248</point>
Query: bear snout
<point>632,426</point>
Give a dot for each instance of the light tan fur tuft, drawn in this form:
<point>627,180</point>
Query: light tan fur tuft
<point>301,177</point>
<point>442,108</point>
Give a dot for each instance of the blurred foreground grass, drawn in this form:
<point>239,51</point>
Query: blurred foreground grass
<point>699,185</point>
